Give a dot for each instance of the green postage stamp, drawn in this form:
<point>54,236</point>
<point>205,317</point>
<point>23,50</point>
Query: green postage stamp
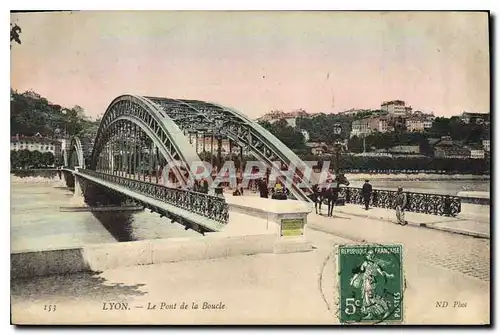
<point>370,278</point>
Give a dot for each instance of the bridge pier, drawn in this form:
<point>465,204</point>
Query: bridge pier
<point>78,199</point>
<point>62,179</point>
<point>68,179</point>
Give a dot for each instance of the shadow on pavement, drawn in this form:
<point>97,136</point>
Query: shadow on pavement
<point>83,285</point>
<point>335,217</point>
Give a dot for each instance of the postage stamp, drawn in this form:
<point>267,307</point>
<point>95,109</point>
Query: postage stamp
<point>371,283</point>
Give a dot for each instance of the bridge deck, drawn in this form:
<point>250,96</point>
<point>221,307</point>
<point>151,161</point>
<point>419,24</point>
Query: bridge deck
<point>190,216</point>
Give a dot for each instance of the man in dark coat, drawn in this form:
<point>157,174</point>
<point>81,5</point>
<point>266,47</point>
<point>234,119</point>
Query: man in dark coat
<point>262,185</point>
<point>205,186</point>
<point>367,193</point>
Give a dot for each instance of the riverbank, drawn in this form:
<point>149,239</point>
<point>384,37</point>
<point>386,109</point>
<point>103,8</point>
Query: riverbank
<point>350,176</point>
<point>414,176</point>
<point>35,180</point>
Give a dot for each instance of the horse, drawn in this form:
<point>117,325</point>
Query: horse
<point>330,193</point>
<point>316,197</point>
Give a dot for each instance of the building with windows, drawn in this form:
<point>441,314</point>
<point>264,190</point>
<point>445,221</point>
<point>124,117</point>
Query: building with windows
<point>382,124</point>
<point>414,124</point>
<point>476,153</point>
<point>354,112</point>
<point>418,123</point>
<point>428,123</point>
<point>306,135</point>
<point>486,145</point>
<point>290,118</point>
<point>360,128</point>
<point>405,149</point>
<point>478,118</point>
<point>367,126</point>
<point>396,108</point>
<point>317,148</point>
<point>209,145</point>
<point>451,151</point>
<point>36,143</point>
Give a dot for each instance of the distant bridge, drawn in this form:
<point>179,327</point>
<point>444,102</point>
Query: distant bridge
<point>138,134</point>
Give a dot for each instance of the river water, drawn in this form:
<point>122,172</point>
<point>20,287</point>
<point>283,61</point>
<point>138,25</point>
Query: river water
<point>451,187</point>
<point>37,222</point>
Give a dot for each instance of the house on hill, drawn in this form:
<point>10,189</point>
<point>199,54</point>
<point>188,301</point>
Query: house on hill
<point>478,118</point>
<point>446,148</point>
<point>476,151</point>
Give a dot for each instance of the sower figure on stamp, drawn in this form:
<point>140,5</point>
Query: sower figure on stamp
<point>400,204</point>
<point>366,279</point>
<point>367,193</point>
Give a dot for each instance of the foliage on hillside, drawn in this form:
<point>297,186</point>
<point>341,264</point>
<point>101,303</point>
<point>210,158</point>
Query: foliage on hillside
<point>31,114</point>
<point>321,126</point>
<point>290,136</point>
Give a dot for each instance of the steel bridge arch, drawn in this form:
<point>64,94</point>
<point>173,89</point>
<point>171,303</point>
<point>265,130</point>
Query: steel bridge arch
<point>75,153</point>
<point>157,125</point>
<point>192,115</point>
<point>64,155</point>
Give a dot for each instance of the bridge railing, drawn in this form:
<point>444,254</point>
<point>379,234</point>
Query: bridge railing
<point>435,204</point>
<point>209,206</point>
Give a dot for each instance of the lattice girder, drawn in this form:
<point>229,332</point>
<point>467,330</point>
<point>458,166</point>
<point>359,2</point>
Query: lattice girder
<point>200,116</point>
<point>158,126</point>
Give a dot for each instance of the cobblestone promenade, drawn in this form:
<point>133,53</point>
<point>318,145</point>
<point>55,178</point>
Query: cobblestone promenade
<point>468,255</point>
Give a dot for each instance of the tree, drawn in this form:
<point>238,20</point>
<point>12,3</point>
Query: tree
<point>24,158</point>
<point>59,161</point>
<point>31,113</point>
<point>320,127</point>
<point>355,144</point>
<point>14,159</point>
<point>48,159</point>
<point>15,30</point>
<point>79,112</point>
<point>291,137</point>
<point>266,125</point>
<point>36,159</point>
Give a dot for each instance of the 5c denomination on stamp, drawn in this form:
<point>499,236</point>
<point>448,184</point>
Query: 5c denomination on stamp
<point>370,278</point>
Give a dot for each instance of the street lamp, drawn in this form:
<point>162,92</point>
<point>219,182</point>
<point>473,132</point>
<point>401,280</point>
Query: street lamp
<point>337,130</point>
<point>219,133</point>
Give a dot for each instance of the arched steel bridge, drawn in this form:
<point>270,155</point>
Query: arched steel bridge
<point>139,135</point>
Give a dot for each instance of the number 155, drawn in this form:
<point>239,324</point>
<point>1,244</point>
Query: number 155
<point>50,308</point>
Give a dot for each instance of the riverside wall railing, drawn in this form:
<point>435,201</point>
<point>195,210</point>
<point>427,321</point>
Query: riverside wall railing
<point>209,206</point>
<point>435,204</point>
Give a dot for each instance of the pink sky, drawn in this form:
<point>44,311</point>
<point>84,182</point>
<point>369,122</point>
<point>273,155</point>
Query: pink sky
<point>257,61</point>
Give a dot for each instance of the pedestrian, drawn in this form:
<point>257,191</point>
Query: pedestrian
<point>205,186</point>
<point>400,204</point>
<point>196,186</point>
<point>263,191</point>
<point>367,193</point>
<point>279,192</point>
<point>332,195</point>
